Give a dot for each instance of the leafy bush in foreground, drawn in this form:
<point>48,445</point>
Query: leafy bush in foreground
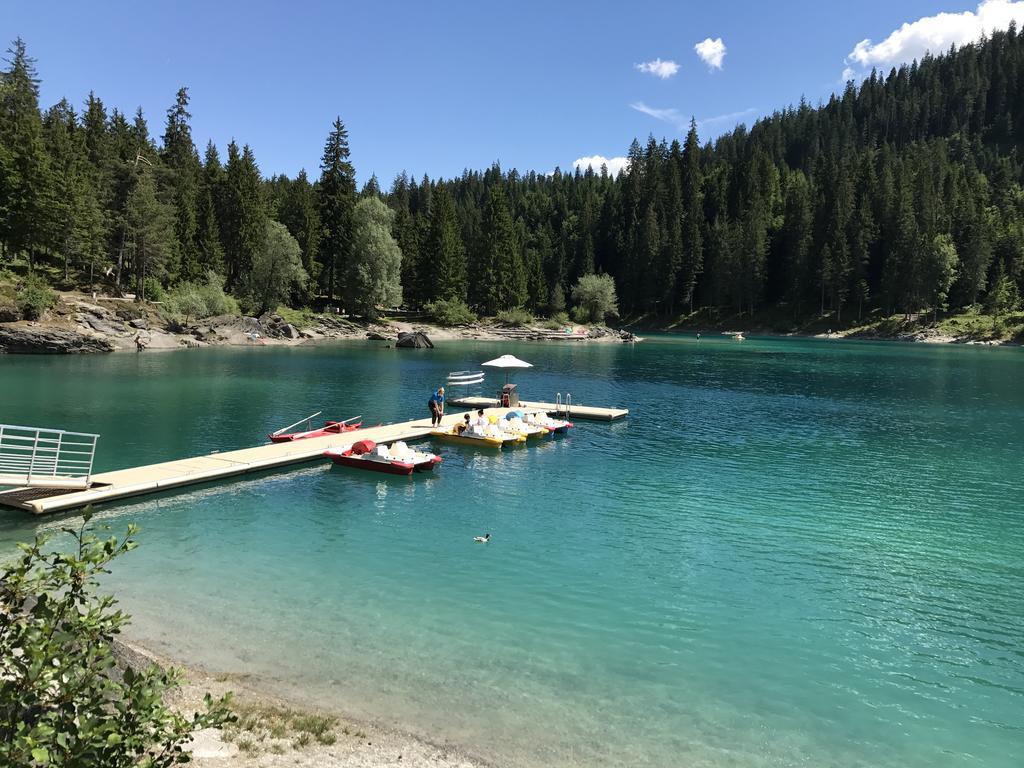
<point>450,312</point>
<point>63,701</point>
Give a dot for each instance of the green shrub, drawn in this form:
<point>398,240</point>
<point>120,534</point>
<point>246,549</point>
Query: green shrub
<point>35,297</point>
<point>186,301</point>
<point>449,312</point>
<point>318,726</point>
<point>514,318</point>
<point>301,318</point>
<point>152,290</point>
<point>595,299</point>
<point>198,300</point>
<point>63,700</point>
<point>557,321</point>
<point>582,315</point>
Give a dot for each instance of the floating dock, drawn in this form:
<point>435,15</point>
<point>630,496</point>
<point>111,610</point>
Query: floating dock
<point>154,478</point>
<point>568,410</point>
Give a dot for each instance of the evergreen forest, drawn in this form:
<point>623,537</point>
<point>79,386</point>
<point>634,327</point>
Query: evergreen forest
<point>902,194</point>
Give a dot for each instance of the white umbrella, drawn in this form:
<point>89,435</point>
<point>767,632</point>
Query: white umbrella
<point>506,362</point>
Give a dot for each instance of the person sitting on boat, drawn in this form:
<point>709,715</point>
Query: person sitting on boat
<point>462,426</point>
<point>478,425</point>
<point>436,405</point>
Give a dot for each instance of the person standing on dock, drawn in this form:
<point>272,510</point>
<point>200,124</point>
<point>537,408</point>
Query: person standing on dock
<point>436,404</point>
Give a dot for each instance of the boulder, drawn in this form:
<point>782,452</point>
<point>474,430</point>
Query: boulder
<point>9,313</point>
<point>234,322</point>
<point>101,324</point>
<point>49,341</point>
<point>375,336</point>
<point>274,327</point>
<point>290,332</point>
<point>130,313</point>
<point>140,322</point>
<point>414,340</point>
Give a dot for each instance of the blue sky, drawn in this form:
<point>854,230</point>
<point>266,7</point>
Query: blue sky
<point>438,87</point>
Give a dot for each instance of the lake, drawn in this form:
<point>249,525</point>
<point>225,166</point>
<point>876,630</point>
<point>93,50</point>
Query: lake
<point>791,553</point>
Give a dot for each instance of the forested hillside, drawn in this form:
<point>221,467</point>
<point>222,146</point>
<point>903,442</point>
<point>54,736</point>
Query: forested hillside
<point>902,194</point>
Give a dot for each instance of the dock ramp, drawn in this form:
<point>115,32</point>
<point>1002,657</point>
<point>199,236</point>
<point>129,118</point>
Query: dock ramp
<point>35,457</point>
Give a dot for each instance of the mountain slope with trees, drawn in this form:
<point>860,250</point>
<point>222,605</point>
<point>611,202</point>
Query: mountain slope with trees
<point>900,195</point>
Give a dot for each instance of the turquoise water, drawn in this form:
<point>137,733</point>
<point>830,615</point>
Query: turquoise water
<point>792,553</point>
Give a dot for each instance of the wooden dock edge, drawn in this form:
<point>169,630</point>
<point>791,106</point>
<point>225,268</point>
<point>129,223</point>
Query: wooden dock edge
<point>168,475</point>
<point>575,411</point>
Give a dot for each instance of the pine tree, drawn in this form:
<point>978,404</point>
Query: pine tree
<point>502,277</point>
<point>76,232</point>
<point>837,268</point>
<point>337,200</point>
<point>443,264</point>
<point>300,214</point>
<point>209,249</point>
<point>180,156</point>
<point>972,230</point>
<point>692,258</point>
<point>25,179</point>
<point>244,222</point>
<point>795,241</point>
<point>670,258</point>
<point>862,231</point>
<point>900,276</point>
<point>149,232</point>
<point>649,247</point>
<point>371,188</point>
<point>99,152</point>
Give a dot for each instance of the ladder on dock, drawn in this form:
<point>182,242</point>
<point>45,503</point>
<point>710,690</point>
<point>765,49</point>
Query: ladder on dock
<point>34,457</point>
<point>563,407</point>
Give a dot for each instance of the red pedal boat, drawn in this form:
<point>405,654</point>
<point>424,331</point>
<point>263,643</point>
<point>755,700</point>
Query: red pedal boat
<point>329,428</point>
<point>399,459</point>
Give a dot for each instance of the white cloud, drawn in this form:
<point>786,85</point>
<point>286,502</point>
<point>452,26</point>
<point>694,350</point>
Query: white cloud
<point>934,34</point>
<point>659,68</point>
<point>614,164</point>
<point>711,52</point>
<point>668,115</point>
<point>733,117</point>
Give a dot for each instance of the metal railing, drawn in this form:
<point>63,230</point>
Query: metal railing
<point>563,408</point>
<point>50,457</point>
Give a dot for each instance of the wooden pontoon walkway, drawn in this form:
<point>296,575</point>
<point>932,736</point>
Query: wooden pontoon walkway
<point>574,411</point>
<point>153,478</point>
<point>136,481</point>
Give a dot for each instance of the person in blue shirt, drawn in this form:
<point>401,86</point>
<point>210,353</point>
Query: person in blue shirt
<point>436,404</point>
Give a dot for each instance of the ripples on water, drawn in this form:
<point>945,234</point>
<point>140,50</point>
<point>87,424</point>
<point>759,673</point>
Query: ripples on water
<point>791,553</point>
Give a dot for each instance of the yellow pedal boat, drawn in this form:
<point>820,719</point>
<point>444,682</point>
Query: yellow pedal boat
<point>529,430</point>
<point>468,438</point>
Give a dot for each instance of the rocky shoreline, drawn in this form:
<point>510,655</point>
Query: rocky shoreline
<point>272,732</point>
<point>83,325</point>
